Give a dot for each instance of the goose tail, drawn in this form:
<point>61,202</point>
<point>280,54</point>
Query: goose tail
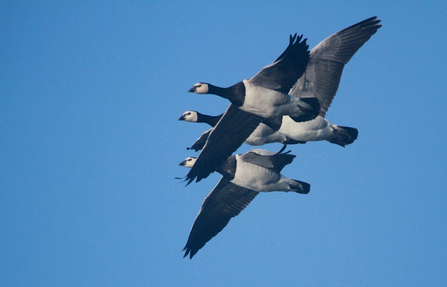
<point>299,186</point>
<point>344,136</point>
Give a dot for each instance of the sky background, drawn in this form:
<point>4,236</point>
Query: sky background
<point>90,146</point>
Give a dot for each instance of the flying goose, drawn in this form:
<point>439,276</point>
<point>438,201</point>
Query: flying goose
<point>314,130</point>
<point>263,96</point>
<point>263,133</point>
<point>321,80</point>
<point>244,176</point>
<point>266,94</point>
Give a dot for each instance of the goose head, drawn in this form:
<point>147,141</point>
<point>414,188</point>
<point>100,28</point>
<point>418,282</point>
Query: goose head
<point>200,88</point>
<point>189,116</point>
<point>188,162</point>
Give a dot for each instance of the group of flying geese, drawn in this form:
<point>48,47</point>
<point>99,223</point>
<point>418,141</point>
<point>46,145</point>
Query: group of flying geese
<point>286,102</point>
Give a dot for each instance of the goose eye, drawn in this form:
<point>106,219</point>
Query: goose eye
<point>188,113</point>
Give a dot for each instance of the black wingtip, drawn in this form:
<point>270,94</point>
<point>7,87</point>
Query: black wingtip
<point>186,252</point>
<point>189,252</point>
<point>370,23</point>
<point>190,179</point>
<point>292,38</point>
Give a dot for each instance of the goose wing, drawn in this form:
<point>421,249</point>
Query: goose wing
<point>327,60</point>
<point>226,137</point>
<point>224,202</point>
<point>268,159</point>
<point>283,73</point>
<point>200,142</point>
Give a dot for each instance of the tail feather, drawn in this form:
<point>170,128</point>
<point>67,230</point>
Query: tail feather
<point>300,187</point>
<point>344,136</point>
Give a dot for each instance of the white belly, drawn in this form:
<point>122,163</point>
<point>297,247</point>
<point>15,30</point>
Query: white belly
<point>256,178</point>
<point>263,135</point>
<point>315,130</point>
<point>267,103</point>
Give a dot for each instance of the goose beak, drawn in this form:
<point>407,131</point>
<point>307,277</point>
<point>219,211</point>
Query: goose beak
<point>182,118</point>
<point>192,90</point>
<point>182,163</point>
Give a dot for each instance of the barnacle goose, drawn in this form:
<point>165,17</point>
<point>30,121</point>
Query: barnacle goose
<point>266,94</point>
<point>243,177</point>
<point>263,134</point>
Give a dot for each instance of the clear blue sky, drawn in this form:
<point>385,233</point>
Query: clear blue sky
<point>90,97</point>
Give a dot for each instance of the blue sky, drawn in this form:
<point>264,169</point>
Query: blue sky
<point>90,97</point>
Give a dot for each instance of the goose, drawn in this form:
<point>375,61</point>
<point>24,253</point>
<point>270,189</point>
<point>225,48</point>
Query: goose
<point>263,96</point>
<point>321,80</point>
<point>263,133</point>
<point>266,94</point>
<point>317,129</point>
<point>258,170</point>
<point>244,177</point>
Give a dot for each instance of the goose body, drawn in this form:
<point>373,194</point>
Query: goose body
<point>264,102</point>
<point>318,129</point>
<point>261,178</point>
<point>258,170</point>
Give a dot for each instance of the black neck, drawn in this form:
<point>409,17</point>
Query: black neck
<point>235,93</point>
<point>211,120</point>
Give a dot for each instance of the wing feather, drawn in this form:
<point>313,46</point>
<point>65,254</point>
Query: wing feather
<point>267,159</point>
<point>327,60</point>
<point>282,74</point>
<point>224,202</point>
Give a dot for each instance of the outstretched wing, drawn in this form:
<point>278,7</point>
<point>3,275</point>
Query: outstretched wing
<point>224,202</point>
<point>282,74</point>
<point>327,60</point>
<point>272,160</point>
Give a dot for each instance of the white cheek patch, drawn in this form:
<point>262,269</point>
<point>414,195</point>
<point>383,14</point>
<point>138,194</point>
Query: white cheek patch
<point>190,162</point>
<point>201,88</point>
<point>193,117</point>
